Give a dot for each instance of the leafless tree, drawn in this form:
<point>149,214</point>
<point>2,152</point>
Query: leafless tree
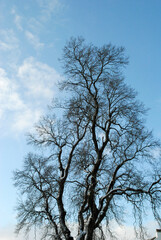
<point>94,156</point>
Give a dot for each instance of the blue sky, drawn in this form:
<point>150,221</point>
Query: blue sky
<point>32,35</point>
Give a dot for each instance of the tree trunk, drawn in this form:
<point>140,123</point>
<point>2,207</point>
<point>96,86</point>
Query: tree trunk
<point>90,229</point>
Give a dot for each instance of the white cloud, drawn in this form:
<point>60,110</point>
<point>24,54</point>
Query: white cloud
<point>24,120</point>
<point>10,101</point>
<point>123,233</point>
<point>9,98</point>
<point>156,153</point>
<point>24,97</point>
<point>7,233</point>
<point>34,40</point>
<point>126,232</point>
<point>39,79</point>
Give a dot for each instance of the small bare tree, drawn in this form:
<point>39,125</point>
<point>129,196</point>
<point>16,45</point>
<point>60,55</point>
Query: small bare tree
<point>95,156</point>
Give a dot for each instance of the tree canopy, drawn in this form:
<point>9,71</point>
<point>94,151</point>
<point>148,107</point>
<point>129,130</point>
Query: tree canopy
<point>95,157</point>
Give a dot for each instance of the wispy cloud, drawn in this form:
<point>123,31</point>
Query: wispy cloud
<point>17,19</point>
<point>31,26</point>
<point>9,49</point>
<point>34,25</point>
<point>8,40</point>
<point>30,23</point>
<point>18,22</point>
<point>48,7</point>
<point>34,40</point>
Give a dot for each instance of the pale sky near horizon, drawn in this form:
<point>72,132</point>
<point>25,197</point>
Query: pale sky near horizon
<point>32,35</point>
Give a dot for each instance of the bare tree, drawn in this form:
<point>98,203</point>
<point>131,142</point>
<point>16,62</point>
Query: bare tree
<point>95,156</point>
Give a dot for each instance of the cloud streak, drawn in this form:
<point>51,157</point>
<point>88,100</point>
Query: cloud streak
<point>48,7</point>
<point>9,49</point>
<point>17,20</point>
<point>34,40</point>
